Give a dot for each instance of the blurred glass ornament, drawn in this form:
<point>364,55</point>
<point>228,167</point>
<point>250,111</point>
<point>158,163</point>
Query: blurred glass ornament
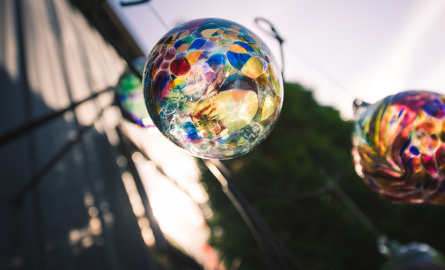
<point>399,146</point>
<point>413,256</point>
<point>213,88</point>
<point>131,96</point>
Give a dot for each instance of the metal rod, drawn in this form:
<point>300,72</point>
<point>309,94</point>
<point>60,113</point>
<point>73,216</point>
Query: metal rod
<point>161,243</point>
<point>357,212</point>
<point>38,176</point>
<point>107,37</point>
<point>21,130</point>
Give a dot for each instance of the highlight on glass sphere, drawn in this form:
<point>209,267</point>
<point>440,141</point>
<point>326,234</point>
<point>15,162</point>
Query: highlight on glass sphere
<point>399,147</point>
<point>412,256</point>
<point>131,96</point>
<point>213,88</point>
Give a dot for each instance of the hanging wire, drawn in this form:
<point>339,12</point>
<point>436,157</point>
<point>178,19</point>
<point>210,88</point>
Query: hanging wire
<point>320,69</point>
<point>332,181</point>
<point>275,35</point>
<point>38,176</point>
<point>250,249</point>
<point>159,17</point>
<point>261,232</point>
<point>357,212</point>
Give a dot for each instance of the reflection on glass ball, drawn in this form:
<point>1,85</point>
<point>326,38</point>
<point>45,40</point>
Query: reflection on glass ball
<point>399,147</point>
<point>413,256</point>
<point>213,88</point>
<point>131,96</point>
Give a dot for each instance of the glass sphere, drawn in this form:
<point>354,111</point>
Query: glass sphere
<point>131,96</point>
<point>413,256</point>
<point>213,88</point>
<point>399,147</point>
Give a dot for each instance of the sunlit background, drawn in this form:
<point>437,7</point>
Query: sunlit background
<point>341,49</point>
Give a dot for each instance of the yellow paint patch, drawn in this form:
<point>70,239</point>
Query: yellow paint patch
<point>233,30</point>
<point>237,48</point>
<point>269,107</point>
<point>230,36</point>
<point>234,108</point>
<point>184,47</point>
<point>186,33</point>
<point>220,31</point>
<point>209,32</point>
<point>274,77</point>
<point>253,68</point>
<point>193,57</point>
<point>262,80</point>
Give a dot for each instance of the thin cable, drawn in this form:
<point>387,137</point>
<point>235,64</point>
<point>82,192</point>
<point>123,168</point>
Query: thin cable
<point>38,176</point>
<point>159,17</point>
<point>320,69</point>
<point>332,181</point>
<point>357,212</point>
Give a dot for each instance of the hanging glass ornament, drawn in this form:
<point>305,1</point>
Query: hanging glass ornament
<point>213,88</point>
<point>398,147</point>
<point>413,256</point>
<point>131,96</point>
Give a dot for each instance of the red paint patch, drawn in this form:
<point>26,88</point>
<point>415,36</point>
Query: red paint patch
<point>180,66</point>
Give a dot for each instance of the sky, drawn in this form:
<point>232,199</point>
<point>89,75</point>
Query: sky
<point>342,49</point>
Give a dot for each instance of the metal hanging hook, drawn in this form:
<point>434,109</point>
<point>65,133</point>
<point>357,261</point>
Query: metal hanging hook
<point>125,4</point>
<point>275,35</point>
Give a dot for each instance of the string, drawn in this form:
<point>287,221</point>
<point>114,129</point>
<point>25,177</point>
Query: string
<point>159,17</point>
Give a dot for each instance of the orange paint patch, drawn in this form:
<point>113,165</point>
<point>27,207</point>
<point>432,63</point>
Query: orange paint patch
<point>237,48</point>
<point>193,57</point>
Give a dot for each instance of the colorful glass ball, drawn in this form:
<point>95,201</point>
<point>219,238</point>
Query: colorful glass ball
<point>213,88</point>
<point>399,147</point>
<point>131,96</point>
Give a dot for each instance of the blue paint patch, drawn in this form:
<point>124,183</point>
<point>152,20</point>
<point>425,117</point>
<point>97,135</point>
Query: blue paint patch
<point>178,43</point>
<point>197,35</point>
<point>414,150</point>
<point>410,165</point>
<point>123,97</point>
<point>216,59</point>
<point>404,147</point>
<point>249,38</point>
<point>434,108</point>
<point>191,131</point>
<point>401,112</point>
<point>427,184</point>
<point>418,185</point>
<point>208,45</point>
<point>238,60</point>
<point>245,46</point>
<point>197,44</point>
<point>372,184</point>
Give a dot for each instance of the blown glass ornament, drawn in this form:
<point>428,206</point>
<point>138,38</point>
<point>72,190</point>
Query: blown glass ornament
<point>413,256</point>
<point>131,96</point>
<point>213,88</point>
<point>398,147</point>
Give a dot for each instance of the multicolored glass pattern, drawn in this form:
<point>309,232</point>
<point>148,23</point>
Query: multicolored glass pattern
<point>399,147</point>
<point>213,88</point>
<point>131,96</point>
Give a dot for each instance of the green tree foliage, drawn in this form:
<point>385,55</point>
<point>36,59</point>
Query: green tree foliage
<point>321,232</point>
